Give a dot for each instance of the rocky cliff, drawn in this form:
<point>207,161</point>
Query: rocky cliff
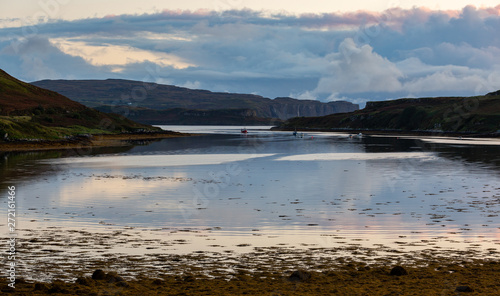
<point>285,108</point>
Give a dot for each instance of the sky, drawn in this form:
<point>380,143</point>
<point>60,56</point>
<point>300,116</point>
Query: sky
<point>353,50</point>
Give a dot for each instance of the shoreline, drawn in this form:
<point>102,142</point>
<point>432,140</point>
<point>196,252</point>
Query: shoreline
<point>126,139</point>
<point>88,141</point>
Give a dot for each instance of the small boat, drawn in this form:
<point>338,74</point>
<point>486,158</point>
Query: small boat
<point>244,131</point>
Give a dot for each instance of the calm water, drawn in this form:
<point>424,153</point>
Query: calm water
<point>268,188</point>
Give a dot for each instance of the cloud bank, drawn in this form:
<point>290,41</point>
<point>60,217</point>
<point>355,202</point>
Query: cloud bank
<point>357,56</point>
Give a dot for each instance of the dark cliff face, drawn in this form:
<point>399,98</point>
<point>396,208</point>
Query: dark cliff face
<point>285,108</point>
<point>111,92</point>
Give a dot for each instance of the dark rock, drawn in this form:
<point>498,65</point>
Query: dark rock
<point>464,289</point>
<point>113,277</point>
<point>83,281</point>
<point>99,274</point>
<point>41,287</point>
<point>189,278</point>
<point>299,276</point>
<point>122,284</point>
<point>157,282</point>
<point>398,271</point>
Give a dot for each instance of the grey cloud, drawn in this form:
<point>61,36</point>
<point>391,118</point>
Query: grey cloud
<point>359,56</point>
<point>37,58</point>
<point>458,54</point>
<point>358,69</point>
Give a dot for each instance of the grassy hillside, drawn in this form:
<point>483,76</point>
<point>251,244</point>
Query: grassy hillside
<point>30,112</point>
<point>18,98</point>
<point>479,114</point>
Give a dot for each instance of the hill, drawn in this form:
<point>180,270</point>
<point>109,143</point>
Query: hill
<point>31,112</point>
<point>112,93</point>
<point>176,116</point>
<point>480,114</point>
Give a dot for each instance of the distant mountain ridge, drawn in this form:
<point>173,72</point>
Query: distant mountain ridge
<point>111,93</point>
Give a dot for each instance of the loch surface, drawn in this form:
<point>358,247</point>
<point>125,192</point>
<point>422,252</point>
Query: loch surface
<point>234,191</point>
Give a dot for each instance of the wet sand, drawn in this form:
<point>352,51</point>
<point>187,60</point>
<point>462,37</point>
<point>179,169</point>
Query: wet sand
<point>85,142</point>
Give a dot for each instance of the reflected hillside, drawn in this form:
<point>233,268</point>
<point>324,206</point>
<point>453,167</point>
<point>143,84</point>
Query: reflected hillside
<point>474,154</point>
<point>20,166</point>
<point>390,144</point>
<point>489,155</point>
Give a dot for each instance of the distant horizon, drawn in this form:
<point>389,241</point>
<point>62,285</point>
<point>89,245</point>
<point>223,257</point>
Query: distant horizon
<point>352,52</point>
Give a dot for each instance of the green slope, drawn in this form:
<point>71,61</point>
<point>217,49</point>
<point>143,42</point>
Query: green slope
<point>30,112</point>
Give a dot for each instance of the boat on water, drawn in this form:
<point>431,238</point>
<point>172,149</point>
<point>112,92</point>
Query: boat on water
<point>244,130</point>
